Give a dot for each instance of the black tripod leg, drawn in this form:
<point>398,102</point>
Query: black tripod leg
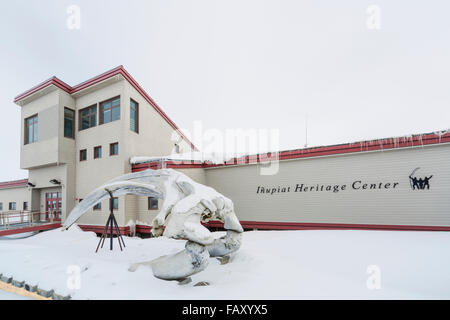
<point>102,237</point>
<point>111,234</point>
<point>106,232</point>
<point>119,235</point>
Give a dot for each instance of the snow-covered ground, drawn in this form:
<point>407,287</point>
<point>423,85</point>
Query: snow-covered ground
<point>270,265</point>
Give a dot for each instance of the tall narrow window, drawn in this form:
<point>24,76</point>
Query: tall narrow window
<point>152,203</point>
<point>69,123</point>
<point>83,155</point>
<point>110,110</point>
<point>1,206</point>
<point>31,129</point>
<point>134,116</point>
<point>12,206</point>
<point>87,117</point>
<point>25,205</point>
<point>115,203</point>
<point>114,149</point>
<point>97,152</point>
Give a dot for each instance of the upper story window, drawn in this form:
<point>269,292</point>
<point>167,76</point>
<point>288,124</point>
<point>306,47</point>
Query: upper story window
<point>97,152</point>
<point>25,205</point>
<point>114,149</point>
<point>134,116</point>
<point>115,203</point>
<point>110,110</point>
<point>31,129</point>
<point>83,155</point>
<point>1,206</point>
<point>98,206</point>
<point>152,203</point>
<point>69,123</point>
<point>12,206</point>
<point>87,117</point>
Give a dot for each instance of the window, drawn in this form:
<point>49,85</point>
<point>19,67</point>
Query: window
<point>87,117</point>
<point>114,149</point>
<point>69,123</point>
<point>110,110</point>
<point>152,203</point>
<point>12,206</point>
<point>1,206</point>
<point>134,116</point>
<point>98,206</point>
<point>83,155</point>
<point>97,152</point>
<point>31,129</point>
<point>25,205</point>
<point>115,203</point>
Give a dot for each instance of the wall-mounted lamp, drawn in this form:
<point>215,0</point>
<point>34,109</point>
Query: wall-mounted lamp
<point>31,185</point>
<point>54,181</point>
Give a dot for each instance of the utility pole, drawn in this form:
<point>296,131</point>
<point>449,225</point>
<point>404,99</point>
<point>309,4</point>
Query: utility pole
<point>306,130</point>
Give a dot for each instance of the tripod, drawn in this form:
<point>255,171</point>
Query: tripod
<point>111,223</point>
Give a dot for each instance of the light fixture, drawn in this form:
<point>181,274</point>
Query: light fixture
<point>54,181</point>
<point>31,185</point>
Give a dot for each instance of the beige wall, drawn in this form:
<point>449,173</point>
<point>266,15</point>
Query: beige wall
<point>17,195</point>
<point>394,206</point>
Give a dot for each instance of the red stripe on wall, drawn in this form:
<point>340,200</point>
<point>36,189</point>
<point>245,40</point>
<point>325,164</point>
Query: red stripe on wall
<point>327,226</point>
<point>101,229</point>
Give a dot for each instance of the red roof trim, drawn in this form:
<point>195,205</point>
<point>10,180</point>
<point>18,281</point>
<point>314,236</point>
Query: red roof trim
<point>13,184</point>
<point>356,147</point>
<point>108,74</point>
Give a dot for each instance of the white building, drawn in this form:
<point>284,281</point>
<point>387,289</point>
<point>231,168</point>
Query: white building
<point>76,138</point>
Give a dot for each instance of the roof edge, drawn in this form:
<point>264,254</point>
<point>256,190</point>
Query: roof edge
<point>94,80</point>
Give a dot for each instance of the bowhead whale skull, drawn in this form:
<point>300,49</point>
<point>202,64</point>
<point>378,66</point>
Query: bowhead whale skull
<point>186,204</point>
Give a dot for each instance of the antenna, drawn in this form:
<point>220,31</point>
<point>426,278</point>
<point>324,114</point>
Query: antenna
<point>306,130</point>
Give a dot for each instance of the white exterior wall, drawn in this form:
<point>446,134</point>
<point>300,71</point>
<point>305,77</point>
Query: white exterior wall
<point>18,195</point>
<point>393,206</point>
<point>54,156</point>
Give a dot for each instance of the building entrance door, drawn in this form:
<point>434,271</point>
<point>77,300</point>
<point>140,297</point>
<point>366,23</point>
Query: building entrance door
<point>53,206</point>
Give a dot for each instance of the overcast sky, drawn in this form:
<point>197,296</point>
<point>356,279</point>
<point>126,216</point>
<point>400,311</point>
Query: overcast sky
<point>243,64</point>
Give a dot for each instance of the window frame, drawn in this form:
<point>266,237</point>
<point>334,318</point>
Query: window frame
<point>136,116</point>
<point>101,119</point>
<point>26,131</point>
<point>80,117</point>
<point>95,152</point>
<point>85,154</point>
<point>10,205</point>
<point>149,201</point>
<point>114,199</point>
<point>111,148</point>
<point>73,123</point>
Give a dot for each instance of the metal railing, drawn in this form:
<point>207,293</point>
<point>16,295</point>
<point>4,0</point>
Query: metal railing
<point>14,219</point>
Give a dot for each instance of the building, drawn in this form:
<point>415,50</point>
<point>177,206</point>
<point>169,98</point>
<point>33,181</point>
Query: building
<point>76,138</point>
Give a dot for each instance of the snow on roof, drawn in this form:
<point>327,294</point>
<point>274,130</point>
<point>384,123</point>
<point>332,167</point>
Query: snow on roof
<point>194,156</point>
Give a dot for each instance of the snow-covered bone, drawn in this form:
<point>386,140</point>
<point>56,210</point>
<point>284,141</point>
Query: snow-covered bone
<point>186,204</point>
